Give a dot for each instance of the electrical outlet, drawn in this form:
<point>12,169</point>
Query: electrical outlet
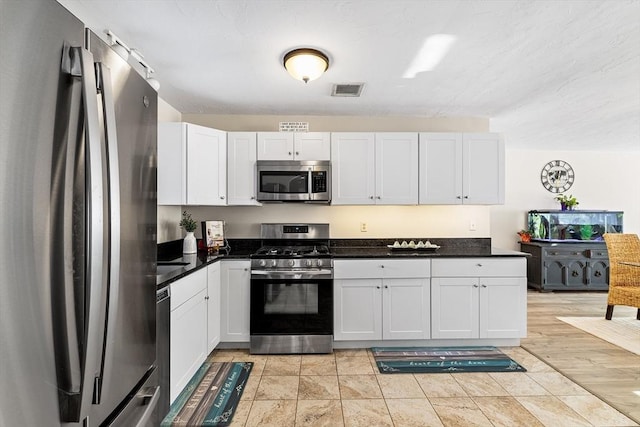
<point>472,226</point>
<point>363,227</point>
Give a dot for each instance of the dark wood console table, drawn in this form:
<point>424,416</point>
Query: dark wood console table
<point>567,266</point>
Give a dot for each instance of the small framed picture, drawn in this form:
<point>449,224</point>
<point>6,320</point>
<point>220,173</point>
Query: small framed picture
<point>213,233</point>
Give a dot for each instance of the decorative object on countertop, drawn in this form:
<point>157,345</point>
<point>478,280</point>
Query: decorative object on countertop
<point>212,395</point>
<point>392,360</point>
<point>567,203</point>
<point>557,176</point>
<point>413,246</point>
<point>190,245</point>
<point>525,235</point>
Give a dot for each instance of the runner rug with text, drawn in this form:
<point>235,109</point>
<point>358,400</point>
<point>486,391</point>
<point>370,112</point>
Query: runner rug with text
<point>211,396</point>
<point>391,360</point>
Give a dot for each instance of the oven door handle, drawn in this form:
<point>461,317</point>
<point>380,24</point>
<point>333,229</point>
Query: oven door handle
<point>294,274</point>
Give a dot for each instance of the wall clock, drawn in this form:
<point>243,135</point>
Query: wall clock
<point>557,176</point>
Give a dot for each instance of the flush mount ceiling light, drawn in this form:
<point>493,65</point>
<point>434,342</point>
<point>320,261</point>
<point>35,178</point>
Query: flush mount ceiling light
<point>306,64</point>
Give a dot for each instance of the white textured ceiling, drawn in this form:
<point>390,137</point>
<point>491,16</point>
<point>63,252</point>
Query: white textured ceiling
<point>551,74</point>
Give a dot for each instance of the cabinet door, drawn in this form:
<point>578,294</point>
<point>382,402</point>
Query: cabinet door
<point>241,168</point>
<point>275,145</point>
<point>235,284</point>
<point>454,307</point>
<point>188,347</point>
<point>503,307</point>
<point>206,166</point>
<point>357,309</point>
<point>312,146</point>
<point>213,306</point>
<point>483,169</point>
<point>440,168</point>
<point>352,168</point>
<point>172,164</point>
<point>406,309</point>
<point>396,168</point>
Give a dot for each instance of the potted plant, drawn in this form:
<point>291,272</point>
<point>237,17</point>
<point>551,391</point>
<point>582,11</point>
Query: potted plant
<point>567,202</point>
<point>189,245</point>
<point>525,235</point>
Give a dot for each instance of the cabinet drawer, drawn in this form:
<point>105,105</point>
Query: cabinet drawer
<point>184,289</point>
<point>381,268</point>
<point>479,267</point>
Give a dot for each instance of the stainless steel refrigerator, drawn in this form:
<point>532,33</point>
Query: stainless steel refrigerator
<point>77,226</point>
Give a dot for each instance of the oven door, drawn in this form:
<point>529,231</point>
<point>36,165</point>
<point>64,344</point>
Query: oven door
<point>291,305</point>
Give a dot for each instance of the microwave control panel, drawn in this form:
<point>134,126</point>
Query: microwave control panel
<point>319,182</point>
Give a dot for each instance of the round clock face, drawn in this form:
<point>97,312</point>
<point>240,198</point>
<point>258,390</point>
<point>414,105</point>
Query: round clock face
<point>557,176</point>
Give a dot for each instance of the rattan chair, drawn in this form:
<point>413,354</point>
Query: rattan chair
<point>624,280</point>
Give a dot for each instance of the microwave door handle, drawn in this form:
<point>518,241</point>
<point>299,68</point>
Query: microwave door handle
<point>310,185</point>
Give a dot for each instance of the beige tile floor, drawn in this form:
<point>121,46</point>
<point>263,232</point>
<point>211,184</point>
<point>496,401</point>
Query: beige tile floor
<point>346,389</point>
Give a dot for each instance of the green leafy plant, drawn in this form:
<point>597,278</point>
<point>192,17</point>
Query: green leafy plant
<point>187,222</point>
<point>567,202</point>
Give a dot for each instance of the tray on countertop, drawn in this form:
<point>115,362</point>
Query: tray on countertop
<point>413,248</point>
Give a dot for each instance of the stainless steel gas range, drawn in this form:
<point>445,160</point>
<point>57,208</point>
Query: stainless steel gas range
<point>292,290</point>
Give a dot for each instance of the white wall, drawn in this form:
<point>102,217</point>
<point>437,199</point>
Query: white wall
<point>603,180</point>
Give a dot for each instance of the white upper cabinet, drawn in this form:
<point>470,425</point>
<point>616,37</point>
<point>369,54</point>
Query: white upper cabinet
<point>461,168</point>
<point>241,168</point>
<point>374,168</point>
<point>192,165</point>
<point>294,146</point>
<point>352,168</point>
<point>397,168</point>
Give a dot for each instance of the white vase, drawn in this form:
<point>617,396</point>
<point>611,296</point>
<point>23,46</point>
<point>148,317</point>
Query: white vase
<point>189,245</point>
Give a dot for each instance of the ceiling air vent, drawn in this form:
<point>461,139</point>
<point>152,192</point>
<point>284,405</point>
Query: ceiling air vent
<point>350,89</point>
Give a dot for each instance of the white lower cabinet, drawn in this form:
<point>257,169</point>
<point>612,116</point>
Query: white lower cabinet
<point>381,299</point>
<point>188,330</point>
<point>479,298</point>
<point>235,276</point>
<point>213,306</point>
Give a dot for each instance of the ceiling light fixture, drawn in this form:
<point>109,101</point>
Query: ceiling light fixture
<point>306,64</point>
<point>124,51</point>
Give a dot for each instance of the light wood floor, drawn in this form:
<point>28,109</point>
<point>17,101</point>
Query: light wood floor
<point>604,369</point>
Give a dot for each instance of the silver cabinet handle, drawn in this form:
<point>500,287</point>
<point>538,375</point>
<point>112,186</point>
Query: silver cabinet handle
<point>289,152</point>
<point>378,197</point>
<point>479,265</point>
<point>475,286</point>
<point>371,197</point>
<point>377,287</point>
<point>458,197</point>
<point>297,153</point>
<point>382,266</point>
<point>466,197</point>
<point>386,286</point>
<point>484,286</point>
<point>222,197</point>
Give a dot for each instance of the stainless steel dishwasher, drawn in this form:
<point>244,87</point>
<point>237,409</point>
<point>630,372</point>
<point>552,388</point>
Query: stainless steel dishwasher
<point>163,326</point>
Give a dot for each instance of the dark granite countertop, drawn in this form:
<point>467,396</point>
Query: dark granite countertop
<point>340,249</point>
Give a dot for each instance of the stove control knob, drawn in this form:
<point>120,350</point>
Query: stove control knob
<point>263,263</point>
<point>273,263</point>
<point>309,263</point>
<point>319,263</point>
<point>291,263</point>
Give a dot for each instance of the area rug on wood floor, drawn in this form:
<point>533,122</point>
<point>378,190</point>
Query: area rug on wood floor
<point>391,360</point>
<point>211,397</point>
<point>621,331</point>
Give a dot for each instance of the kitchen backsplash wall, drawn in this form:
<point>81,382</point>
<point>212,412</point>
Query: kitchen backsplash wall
<point>346,221</point>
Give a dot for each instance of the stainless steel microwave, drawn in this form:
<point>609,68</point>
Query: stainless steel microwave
<point>294,181</point>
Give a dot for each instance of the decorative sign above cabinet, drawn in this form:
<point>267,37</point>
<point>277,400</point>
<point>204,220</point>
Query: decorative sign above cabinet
<point>557,176</point>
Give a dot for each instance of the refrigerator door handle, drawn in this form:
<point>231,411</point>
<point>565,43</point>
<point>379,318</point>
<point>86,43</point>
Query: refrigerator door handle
<point>77,360</point>
<point>110,304</point>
